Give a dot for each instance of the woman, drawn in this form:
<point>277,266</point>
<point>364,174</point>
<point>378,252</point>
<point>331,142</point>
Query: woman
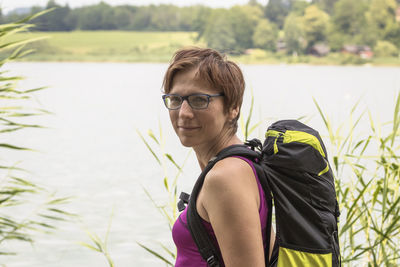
<point>204,92</point>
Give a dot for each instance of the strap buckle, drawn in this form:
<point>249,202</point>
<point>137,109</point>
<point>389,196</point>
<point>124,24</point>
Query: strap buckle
<point>212,262</point>
<point>184,200</point>
<point>254,143</point>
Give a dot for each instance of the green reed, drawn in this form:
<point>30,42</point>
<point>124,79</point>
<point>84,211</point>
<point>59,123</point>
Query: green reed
<point>156,146</point>
<point>99,245</point>
<point>366,166</point>
<point>15,190</point>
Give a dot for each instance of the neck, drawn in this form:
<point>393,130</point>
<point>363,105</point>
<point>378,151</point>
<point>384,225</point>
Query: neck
<point>206,152</point>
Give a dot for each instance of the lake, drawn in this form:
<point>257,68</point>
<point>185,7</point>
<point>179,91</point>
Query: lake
<point>91,150</point>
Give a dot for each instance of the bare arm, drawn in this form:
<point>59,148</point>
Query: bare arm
<point>230,199</point>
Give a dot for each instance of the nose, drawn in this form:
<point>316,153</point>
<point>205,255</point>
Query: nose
<point>186,110</point>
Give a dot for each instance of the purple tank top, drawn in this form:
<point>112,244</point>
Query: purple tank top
<point>187,252</point>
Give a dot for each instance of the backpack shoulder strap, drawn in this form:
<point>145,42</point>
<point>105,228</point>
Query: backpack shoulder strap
<point>198,232</point>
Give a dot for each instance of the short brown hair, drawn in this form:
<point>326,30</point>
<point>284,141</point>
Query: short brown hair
<point>214,68</point>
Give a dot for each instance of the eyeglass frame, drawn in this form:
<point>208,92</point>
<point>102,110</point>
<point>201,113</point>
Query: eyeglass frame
<point>183,98</point>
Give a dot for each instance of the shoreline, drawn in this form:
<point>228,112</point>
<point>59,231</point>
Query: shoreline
<point>158,47</point>
<point>246,62</point>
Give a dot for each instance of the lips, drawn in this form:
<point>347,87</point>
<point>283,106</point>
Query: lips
<point>188,128</point>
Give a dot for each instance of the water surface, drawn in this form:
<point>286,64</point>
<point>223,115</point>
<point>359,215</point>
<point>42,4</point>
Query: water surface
<point>91,149</point>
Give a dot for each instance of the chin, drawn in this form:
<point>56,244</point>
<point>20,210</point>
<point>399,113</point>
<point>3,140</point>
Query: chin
<point>187,142</point>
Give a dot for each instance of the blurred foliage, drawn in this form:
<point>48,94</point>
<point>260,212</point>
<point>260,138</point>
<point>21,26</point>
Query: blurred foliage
<point>366,167</point>
<point>334,23</point>
<point>265,35</point>
<point>17,191</point>
<point>315,24</point>
<point>385,49</point>
<point>277,10</point>
<point>294,34</point>
<point>172,170</point>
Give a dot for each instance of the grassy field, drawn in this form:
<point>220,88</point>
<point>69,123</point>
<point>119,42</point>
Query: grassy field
<point>120,46</point>
<point>124,46</point>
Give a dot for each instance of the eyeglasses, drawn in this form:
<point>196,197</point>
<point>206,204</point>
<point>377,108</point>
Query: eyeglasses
<point>196,101</point>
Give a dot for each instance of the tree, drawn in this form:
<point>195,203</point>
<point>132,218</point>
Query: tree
<point>347,24</point>
<point>327,5</point>
<point>392,34</point>
<point>141,18</point>
<point>123,17</point>
<point>97,17</point>
<point>381,13</point>
<point>385,49</point>
<point>380,18</point>
<point>315,25</point>
<point>200,18</point>
<point>219,33</point>
<point>232,28</point>
<point>277,10</point>
<point>349,16</point>
<point>294,34</point>
<point>53,21</point>
<point>265,35</point>
<point>244,20</point>
<point>165,18</point>
<point>299,7</point>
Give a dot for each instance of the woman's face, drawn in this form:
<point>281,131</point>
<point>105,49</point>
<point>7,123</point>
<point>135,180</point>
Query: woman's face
<point>197,127</point>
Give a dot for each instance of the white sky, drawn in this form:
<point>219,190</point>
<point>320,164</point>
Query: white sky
<point>8,5</point>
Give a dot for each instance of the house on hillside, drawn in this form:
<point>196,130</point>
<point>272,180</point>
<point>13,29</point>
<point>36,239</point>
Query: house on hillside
<point>280,45</point>
<point>362,51</point>
<point>320,50</point>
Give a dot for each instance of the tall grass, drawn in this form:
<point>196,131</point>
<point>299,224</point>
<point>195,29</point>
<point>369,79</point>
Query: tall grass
<point>156,146</point>
<point>99,245</point>
<point>17,191</point>
<point>367,174</point>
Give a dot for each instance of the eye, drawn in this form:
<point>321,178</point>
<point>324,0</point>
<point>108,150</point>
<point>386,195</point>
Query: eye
<point>173,101</point>
<point>198,101</point>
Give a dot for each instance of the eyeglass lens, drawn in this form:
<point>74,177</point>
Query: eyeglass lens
<point>195,101</point>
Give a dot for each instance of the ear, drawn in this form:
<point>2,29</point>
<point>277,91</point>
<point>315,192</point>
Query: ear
<point>233,113</point>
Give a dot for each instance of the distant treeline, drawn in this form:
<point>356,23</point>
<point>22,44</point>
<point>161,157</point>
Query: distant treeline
<point>294,26</point>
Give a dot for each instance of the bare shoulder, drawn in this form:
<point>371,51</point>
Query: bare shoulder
<point>231,204</point>
<point>230,178</point>
<point>229,171</point>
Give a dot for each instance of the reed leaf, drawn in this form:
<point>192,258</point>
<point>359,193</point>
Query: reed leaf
<point>152,136</point>
<point>88,246</point>
<point>246,133</point>
<point>166,183</point>
<point>148,147</point>
<point>396,119</point>
<point>327,125</point>
<point>15,190</point>
<point>51,217</point>
<point>172,254</point>
<point>154,253</point>
<point>11,130</point>
<point>169,157</point>
<point>13,147</point>
<point>57,201</point>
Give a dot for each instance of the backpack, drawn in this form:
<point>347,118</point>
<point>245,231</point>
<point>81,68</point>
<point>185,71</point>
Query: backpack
<point>293,169</point>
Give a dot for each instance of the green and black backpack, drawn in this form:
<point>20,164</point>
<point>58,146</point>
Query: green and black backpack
<point>293,169</point>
